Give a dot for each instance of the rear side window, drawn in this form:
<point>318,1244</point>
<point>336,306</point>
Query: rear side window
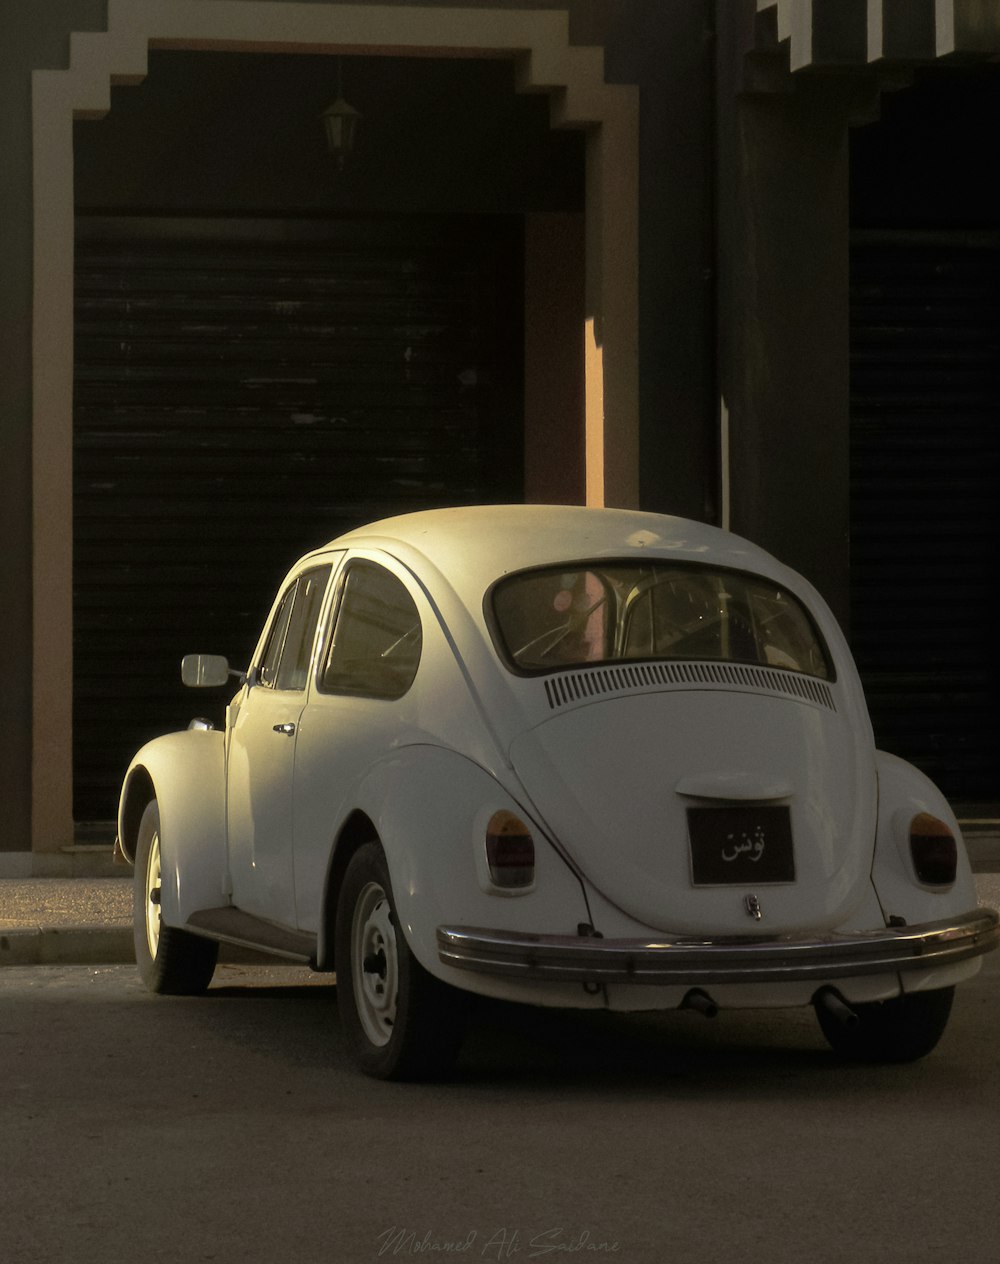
<point>375,648</point>
<point>615,612</point>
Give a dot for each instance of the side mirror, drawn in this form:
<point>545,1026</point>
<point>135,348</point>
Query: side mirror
<point>204,671</point>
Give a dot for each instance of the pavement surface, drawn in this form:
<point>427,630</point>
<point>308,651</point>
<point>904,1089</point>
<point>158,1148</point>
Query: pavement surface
<point>85,921</point>
<point>234,1129</point>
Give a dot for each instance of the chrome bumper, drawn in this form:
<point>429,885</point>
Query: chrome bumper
<point>780,959</point>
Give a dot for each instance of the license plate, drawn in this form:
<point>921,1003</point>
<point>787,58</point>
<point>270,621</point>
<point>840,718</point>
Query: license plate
<point>745,846</point>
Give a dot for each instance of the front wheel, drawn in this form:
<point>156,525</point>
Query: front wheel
<point>902,1029</point>
<point>170,960</point>
<point>401,1023</point>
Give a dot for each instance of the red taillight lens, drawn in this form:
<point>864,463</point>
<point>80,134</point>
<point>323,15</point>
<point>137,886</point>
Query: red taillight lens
<point>510,851</point>
<point>934,850</point>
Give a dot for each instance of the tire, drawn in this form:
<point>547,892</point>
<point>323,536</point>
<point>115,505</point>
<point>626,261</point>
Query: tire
<point>170,960</point>
<point>902,1029</point>
<point>400,1022</point>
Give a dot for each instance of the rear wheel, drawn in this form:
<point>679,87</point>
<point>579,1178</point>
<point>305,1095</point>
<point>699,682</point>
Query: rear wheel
<point>902,1029</point>
<point>401,1023</point>
<point>169,960</point>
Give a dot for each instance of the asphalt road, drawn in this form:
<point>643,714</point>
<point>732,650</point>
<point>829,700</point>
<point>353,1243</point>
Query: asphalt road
<point>231,1128</point>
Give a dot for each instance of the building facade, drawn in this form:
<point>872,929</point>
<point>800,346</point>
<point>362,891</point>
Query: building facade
<point>731,259</point>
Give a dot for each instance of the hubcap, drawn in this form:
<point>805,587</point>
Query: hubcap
<point>374,964</point>
<point>153,896</point>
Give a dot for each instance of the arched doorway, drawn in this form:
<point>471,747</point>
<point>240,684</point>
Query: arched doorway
<point>538,44</point>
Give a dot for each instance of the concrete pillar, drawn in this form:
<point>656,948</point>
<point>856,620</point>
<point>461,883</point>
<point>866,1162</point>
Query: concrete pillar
<point>784,317</point>
<point>32,37</point>
<point>15,446</point>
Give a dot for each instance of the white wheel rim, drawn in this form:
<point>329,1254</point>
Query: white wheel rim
<point>153,880</point>
<point>373,944</point>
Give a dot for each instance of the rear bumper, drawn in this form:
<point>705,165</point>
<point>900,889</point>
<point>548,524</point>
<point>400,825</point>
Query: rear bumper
<point>689,962</point>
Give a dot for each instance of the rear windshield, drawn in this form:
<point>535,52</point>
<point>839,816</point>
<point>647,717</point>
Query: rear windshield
<point>614,612</point>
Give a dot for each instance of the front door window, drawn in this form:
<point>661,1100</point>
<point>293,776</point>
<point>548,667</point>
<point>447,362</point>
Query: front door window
<point>262,754</point>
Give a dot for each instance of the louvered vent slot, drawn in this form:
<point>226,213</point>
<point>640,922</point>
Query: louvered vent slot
<point>601,681</point>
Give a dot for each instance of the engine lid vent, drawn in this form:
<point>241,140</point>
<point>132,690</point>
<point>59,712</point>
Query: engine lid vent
<point>581,686</point>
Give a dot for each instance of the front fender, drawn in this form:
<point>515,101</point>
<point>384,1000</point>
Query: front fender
<point>185,773</point>
<point>903,792</point>
<point>430,807</point>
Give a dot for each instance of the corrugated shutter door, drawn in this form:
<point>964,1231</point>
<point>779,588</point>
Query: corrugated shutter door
<point>925,479</point>
<point>245,391</point>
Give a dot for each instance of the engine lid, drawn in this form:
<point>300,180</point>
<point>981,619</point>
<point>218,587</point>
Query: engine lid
<point>707,812</point>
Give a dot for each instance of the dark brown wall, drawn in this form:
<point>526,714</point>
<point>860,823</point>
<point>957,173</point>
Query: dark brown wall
<point>668,47</point>
<point>927,161</point>
<point>554,405</point>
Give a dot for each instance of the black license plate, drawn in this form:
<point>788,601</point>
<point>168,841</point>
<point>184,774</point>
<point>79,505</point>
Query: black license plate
<point>743,846</point>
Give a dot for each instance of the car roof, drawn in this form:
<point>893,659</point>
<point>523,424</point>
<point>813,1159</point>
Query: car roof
<point>477,545</point>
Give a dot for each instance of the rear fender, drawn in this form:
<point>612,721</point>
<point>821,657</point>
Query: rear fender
<point>903,792</point>
<point>430,808</point>
<point>185,773</point>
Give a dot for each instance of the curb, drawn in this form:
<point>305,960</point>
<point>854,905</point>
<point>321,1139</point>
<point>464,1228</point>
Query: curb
<point>93,946</point>
<point>79,861</point>
<point>67,945</point>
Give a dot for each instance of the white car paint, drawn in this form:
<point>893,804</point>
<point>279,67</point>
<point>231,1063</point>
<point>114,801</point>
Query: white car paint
<point>603,778</point>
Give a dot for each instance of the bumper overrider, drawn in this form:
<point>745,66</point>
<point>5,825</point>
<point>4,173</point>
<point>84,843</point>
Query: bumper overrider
<point>743,959</point>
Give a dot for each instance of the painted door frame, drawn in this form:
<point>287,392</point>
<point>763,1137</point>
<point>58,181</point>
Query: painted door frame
<point>536,40</point>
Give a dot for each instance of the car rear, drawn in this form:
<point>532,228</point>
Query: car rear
<point>700,759</point>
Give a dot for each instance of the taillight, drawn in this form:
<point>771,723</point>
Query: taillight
<point>934,850</point>
<point>510,851</point>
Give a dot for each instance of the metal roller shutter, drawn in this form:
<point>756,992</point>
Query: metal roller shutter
<point>925,522</point>
<point>245,391</point>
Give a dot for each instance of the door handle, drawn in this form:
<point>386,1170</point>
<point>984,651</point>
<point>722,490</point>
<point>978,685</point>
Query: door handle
<point>287,730</point>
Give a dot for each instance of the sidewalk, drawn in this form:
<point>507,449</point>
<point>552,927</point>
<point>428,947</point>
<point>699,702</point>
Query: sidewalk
<point>66,921</point>
<point>77,921</point>
<point>88,921</point>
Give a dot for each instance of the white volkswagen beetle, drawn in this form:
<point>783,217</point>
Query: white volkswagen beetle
<point>571,757</point>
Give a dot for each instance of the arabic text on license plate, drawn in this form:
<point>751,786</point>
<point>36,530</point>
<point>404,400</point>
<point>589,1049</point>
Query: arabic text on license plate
<point>740,846</point>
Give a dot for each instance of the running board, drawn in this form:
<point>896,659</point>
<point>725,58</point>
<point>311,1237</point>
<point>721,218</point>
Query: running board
<point>233,926</point>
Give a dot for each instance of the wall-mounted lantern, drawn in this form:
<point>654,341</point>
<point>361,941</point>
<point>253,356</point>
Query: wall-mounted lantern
<point>340,122</point>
